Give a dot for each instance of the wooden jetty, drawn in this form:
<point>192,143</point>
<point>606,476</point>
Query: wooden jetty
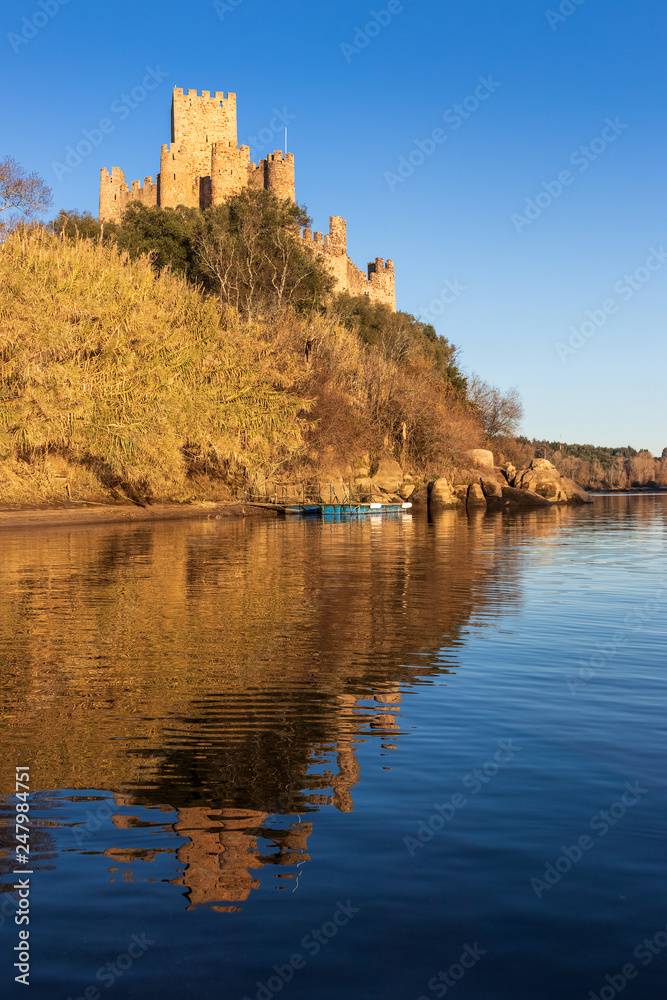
<point>312,501</point>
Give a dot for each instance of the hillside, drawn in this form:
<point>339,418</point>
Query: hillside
<point>118,380</point>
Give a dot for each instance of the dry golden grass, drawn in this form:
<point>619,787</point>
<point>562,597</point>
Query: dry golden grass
<point>133,381</point>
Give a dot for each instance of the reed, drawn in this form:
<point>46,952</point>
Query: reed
<point>116,378</point>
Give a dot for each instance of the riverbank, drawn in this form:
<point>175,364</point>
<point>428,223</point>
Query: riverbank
<point>49,517</point>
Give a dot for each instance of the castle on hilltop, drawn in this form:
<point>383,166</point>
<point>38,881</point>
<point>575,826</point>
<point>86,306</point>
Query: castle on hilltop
<point>205,166</point>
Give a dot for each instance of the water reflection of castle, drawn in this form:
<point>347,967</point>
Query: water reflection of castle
<point>222,854</point>
<point>230,669</point>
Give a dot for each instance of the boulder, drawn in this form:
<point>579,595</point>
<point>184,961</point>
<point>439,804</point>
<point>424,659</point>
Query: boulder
<point>480,458</point>
<point>419,497</point>
<point>509,472</point>
<point>494,506</point>
<point>475,496</point>
<point>524,498</point>
<point>441,494</point>
<point>491,488</point>
<point>461,491</point>
<point>389,475</point>
<point>574,493</point>
<point>543,477</point>
<point>407,489</point>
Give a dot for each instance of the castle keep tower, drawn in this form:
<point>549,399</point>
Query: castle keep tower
<point>204,166</point>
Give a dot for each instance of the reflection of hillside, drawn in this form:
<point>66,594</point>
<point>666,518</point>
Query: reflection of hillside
<point>230,668</point>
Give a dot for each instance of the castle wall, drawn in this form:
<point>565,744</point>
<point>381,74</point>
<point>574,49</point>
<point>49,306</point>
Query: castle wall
<point>115,194</point>
<point>378,283</point>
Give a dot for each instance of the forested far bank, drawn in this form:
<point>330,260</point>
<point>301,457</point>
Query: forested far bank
<point>592,466</point>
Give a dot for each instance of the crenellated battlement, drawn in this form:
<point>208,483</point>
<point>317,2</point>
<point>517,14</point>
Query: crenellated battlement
<point>203,165</point>
<point>218,95</point>
<point>116,194</point>
<point>378,283</point>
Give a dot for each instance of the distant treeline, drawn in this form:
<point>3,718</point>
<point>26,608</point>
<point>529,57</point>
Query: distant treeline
<point>592,465</point>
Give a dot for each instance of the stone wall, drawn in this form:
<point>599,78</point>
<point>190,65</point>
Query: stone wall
<point>378,282</point>
<point>116,194</point>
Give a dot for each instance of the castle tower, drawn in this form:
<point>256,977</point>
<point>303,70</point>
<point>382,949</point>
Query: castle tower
<point>204,166</point>
<point>275,173</point>
<point>181,181</point>
<point>279,175</point>
<point>113,194</point>
<point>198,122</point>
<point>229,171</point>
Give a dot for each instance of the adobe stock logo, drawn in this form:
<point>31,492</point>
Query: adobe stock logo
<point>581,158</point>
<point>454,117</point>
<point>222,7</point>
<point>377,22</point>
<point>625,288</point>
<point>31,26</point>
<point>566,9</point>
<point>122,107</point>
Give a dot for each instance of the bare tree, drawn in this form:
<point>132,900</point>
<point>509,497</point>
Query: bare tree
<point>218,257</point>
<point>642,468</point>
<point>22,192</point>
<point>500,412</point>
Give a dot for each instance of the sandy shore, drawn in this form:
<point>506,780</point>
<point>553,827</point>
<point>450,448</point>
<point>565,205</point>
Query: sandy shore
<point>73,516</point>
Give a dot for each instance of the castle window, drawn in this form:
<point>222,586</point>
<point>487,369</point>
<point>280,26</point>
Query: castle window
<point>174,176</point>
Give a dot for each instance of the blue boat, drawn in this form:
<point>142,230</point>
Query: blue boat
<point>302,509</point>
<point>340,509</point>
<point>360,509</point>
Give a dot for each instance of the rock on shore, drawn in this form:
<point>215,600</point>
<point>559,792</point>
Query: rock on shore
<point>543,478</point>
<point>481,486</point>
<point>486,485</point>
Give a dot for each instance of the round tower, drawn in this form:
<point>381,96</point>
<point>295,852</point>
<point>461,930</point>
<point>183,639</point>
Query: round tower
<point>280,175</point>
<point>229,170</point>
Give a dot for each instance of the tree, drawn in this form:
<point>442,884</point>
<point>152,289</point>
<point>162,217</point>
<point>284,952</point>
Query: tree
<point>21,192</point>
<point>75,224</point>
<point>399,335</point>
<point>642,468</point>
<point>166,233</point>
<point>500,412</point>
<point>249,252</point>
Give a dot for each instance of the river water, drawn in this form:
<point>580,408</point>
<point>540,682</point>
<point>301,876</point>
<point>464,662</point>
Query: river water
<point>391,758</point>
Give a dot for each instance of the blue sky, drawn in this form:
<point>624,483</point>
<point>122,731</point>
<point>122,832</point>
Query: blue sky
<point>529,224</point>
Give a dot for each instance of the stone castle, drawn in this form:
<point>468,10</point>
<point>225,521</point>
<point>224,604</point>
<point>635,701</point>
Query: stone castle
<point>205,166</point>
